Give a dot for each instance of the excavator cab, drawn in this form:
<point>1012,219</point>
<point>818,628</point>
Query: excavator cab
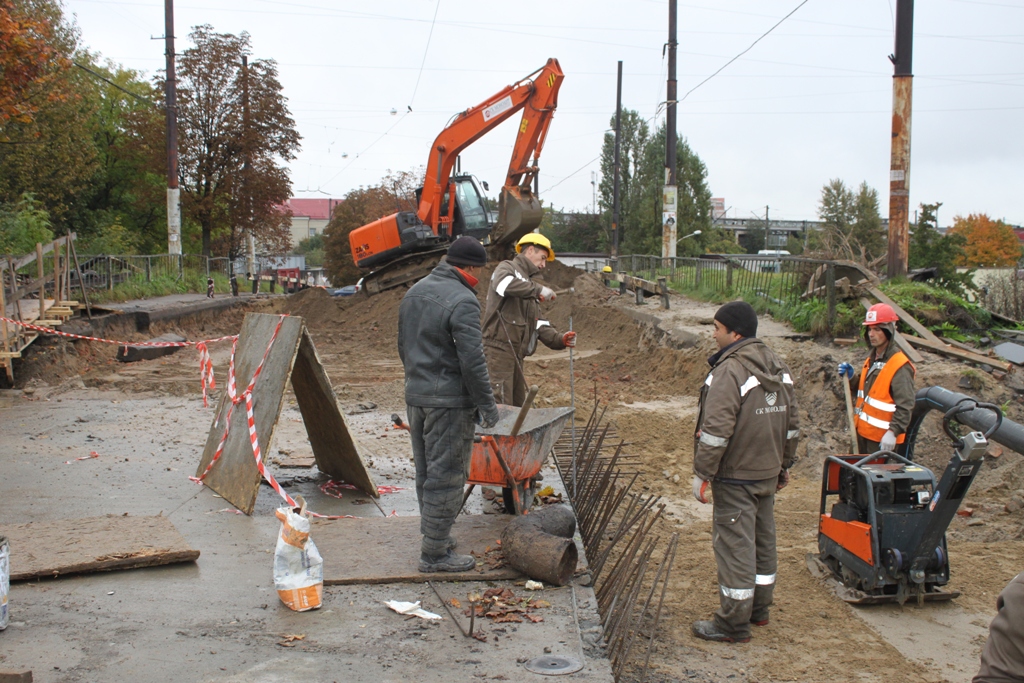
<point>470,209</point>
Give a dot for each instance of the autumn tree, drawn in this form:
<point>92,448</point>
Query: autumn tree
<point>852,224</point>
<point>395,192</point>
<point>989,243</point>
<point>235,132</point>
<point>35,45</point>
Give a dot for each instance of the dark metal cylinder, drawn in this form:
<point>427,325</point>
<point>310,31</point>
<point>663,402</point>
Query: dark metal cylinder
<point>1009,434</point>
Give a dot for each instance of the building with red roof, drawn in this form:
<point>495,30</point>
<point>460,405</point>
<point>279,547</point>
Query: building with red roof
<point>310,216</point>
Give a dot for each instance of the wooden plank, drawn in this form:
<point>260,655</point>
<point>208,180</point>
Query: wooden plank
<point>387,549</point>
<point>93,544</point>
<point>957,353</point>
<point>17,264</point>
<point>235,476</point>
<point>911,322</point>
<point>336,452</point>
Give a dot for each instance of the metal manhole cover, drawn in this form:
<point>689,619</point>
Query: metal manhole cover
<point>554,665</point>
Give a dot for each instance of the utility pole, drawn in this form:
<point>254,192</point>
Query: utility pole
<point>593,190</point>
<point>670,195</point>
<point>171,112</point>
<point>899,163</point>
<point>767,227</point>
<point>615,181</point>
<point>247,200</point>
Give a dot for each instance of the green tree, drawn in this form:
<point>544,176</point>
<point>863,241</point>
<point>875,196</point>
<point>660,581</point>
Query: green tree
<point>853,225</point>
<point>642,176</point>
<point>929,249</point>
<point>571,231</point>
<point>231,166</point>
<point>313,249</point>
<point>23,225</point>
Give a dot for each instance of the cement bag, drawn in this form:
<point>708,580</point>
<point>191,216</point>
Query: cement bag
<point>298,567</point>
<point>5,580</point>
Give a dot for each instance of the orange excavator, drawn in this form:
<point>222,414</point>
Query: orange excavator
<point>404,247</point>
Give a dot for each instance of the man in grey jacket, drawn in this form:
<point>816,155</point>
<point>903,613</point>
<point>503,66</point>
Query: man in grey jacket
<point>744,445</point>
<point>446,391</point>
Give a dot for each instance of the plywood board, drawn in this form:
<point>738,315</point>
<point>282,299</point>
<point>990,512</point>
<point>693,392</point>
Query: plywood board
<point>93,544</point>
<point>336,452</point>
<point>235,476</point>
<point>387,549</point>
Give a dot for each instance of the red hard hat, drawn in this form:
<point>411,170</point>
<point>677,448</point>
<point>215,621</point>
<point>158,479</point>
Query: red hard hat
<point>880,313</point>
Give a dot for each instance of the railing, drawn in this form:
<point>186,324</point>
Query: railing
<point>106,271</point>
<point>779,280</point>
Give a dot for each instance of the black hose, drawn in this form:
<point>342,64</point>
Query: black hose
<point>982,419</point>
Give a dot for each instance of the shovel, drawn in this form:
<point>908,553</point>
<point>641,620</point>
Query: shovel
<point>849,414</point>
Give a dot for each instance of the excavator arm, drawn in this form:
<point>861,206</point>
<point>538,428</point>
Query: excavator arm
<point>536,96</point>
<point>403,247</point>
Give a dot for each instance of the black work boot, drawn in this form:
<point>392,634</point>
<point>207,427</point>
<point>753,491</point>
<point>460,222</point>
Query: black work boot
<point>708,631</point>
<point>449,562</point>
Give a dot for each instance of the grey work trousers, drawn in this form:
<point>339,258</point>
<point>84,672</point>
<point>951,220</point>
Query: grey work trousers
<point>744,541</point>
<point>442,444</point>
<point>506,372</point>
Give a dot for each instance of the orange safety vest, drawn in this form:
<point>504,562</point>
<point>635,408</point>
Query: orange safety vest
<point>874,411</point>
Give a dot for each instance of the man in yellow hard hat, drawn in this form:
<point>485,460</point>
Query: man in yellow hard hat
<point>512,322</point>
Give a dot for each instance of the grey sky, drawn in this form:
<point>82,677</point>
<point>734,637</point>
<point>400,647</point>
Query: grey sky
<point>810,102</point>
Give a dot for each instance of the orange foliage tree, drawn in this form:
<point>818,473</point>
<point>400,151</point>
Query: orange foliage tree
<point>989,243</point>
<point>31,58</point>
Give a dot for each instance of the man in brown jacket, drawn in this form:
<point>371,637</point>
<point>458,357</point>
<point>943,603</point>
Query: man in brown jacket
<point>1002,659</point>
<point>512,323</point>
<point>744,445</point>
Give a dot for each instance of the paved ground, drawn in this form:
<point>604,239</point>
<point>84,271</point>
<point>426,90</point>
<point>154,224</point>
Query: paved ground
<point>219,619</point>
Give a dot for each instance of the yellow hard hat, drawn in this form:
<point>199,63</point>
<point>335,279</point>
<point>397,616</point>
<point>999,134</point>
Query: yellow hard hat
<point>606,269</point>
<point>536,239</point>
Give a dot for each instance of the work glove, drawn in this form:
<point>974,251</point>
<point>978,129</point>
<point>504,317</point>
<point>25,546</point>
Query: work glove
<point>888,441</point>
<point>489,417</point>
<point>846,369</point>
<point>547,294</point>
<point>569,339</point>
<point>700,487</point>
<point>783,480</point>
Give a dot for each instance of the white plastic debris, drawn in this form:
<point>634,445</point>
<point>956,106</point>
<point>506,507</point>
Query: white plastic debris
<point>298,567</point>
<point>534,586</point>
<point>412,609</point>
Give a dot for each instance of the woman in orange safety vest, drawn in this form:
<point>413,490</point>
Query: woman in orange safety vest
<point>885,386</point>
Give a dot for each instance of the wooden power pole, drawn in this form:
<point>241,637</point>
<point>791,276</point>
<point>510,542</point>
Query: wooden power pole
<point>669,196</point>
<point>899,164</point>
<point>615,180</point>
<point>171,109</point>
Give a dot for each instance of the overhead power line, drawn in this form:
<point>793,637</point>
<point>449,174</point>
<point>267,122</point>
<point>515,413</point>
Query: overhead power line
<point>749,48</point>
<point>110,82</point>
<point>425,51</point>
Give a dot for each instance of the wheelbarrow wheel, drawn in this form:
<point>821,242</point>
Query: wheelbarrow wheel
<point>525,496</point>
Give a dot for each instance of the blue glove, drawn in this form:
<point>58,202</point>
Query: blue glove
<point>846,369</point>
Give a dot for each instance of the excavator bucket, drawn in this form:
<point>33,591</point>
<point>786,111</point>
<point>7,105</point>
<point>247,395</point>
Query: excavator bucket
<point>519,212</point>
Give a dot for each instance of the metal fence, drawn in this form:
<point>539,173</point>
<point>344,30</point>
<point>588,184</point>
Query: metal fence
<point>106,271</point>
<point>781,280</point>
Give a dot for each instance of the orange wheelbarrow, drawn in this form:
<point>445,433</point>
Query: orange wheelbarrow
<point>510,458</point>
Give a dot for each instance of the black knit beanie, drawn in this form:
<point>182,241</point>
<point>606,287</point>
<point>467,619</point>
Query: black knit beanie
<point>738,317</point>
<point>467,251</point>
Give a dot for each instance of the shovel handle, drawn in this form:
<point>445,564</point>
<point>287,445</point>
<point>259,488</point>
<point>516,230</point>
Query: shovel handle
<point>524,410</point>
<point>849,414</point>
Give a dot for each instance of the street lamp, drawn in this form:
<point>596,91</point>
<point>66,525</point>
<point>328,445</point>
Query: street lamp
<point>692,234</point>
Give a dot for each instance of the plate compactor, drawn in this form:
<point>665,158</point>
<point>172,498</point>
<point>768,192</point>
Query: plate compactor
<point>883,517</point>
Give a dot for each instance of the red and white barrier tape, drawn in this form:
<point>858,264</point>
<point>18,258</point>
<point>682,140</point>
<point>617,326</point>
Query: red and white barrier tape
<point>331,487</point>
<point>92,454</point>
<point>205,363</point>
<point>246,396</point>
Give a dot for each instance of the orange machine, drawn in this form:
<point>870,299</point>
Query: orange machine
<point>405,246</point>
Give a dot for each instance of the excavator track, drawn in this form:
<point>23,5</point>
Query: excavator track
<point>404,271</point>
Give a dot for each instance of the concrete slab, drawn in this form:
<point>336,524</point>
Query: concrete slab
<point>219,619</point>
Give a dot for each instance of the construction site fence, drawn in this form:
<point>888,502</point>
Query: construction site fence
<point>781,280</point>
<point>106,271</point>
